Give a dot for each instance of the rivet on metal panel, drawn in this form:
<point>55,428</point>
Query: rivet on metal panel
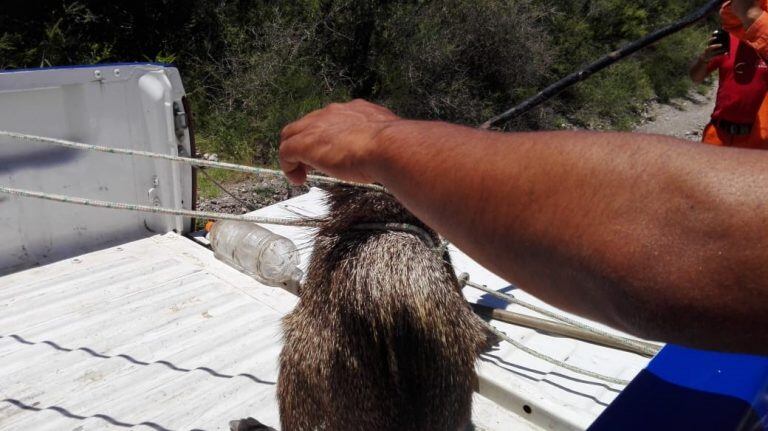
<point>117,73</point>
<point>97,74</point>
<point>179,119</point>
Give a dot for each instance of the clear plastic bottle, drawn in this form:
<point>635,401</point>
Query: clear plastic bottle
<point>269,258</point>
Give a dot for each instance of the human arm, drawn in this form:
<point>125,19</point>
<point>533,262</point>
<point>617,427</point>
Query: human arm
<point>700,68</point>
<point>651,235</point>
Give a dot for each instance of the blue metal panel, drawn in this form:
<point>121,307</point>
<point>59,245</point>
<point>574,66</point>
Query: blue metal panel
<point>692,389</point>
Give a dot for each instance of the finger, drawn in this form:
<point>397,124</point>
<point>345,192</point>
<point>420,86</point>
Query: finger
<point>296,172</point>
<point>288,155</point>
<point>299,125</point>
<point>297,152</point>
<point>297,176</point>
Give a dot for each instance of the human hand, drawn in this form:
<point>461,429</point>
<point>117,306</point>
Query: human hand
<point>338,140</point>
<point>714,49</point>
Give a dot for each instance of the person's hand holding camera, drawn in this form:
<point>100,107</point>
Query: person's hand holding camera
<point>714,48</point>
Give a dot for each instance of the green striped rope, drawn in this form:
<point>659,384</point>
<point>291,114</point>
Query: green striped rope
<point>280,221</point>
<point>648,349</point>
<point>158,210</point>
<point>194,162</point>
<point>551,360</point>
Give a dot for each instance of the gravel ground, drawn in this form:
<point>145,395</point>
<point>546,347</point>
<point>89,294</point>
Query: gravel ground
<point>256,192</point>
<point>682,118</point>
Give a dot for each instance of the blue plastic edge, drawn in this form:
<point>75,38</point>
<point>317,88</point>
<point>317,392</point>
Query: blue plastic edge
<point>692,389</point>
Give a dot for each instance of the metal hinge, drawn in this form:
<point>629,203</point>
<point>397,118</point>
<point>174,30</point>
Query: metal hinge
<point>179,119</point>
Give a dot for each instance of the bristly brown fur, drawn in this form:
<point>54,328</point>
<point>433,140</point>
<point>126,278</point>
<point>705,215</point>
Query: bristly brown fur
<point>382,338</point>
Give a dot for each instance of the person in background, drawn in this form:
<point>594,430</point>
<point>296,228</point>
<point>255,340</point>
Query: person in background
<point>740,118</point>
<point>742,90</point>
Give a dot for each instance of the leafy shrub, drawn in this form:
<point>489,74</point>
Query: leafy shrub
<point>461,61</point>
<point>251,66</point>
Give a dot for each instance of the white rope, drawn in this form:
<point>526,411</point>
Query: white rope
<point>194,162</point>
<point>647,348</point>
<point>400,227</point>
<point>157,210</point>
<point>552,360</point>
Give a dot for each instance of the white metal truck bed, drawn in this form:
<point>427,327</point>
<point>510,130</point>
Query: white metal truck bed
<point>158,334</point>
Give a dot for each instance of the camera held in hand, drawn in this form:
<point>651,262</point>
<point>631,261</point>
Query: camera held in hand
<point>723,38</point>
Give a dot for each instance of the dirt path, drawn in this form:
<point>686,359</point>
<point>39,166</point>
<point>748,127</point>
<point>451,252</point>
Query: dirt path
<point>682,118</point>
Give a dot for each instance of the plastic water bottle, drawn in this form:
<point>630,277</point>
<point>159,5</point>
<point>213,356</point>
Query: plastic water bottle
<point>271,259</point>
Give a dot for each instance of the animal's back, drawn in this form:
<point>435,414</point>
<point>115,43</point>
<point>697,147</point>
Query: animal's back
<point>381,338</point>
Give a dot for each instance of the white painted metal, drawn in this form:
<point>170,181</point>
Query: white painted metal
<point>153,334</point>
<point>128,106</point>
<point>155,331</point>
<point>157,334</point>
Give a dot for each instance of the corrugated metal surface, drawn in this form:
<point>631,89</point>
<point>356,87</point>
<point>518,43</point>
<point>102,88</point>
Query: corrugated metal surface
<point>154,332</point>
<point>157,334</point>
<point>557,398</point>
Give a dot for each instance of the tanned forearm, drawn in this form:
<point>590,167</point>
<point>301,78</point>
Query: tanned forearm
<point>698,71</point>
<point>658,237</point>
<point>662,238</point>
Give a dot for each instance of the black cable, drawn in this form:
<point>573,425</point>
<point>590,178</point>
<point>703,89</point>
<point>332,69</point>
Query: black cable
<point>245,204</point>
<point>602,63</point>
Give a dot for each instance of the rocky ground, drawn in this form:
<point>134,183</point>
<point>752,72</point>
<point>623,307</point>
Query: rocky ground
<point>683,118</point>
<point>251,194</point>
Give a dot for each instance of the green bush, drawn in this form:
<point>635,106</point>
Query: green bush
<point>585,30</point>
<point>669,58</point>
<point>252,66</point>
<point>613,98</point>
<point>461,61</point>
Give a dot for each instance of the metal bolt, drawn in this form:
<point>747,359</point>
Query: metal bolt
<point>117,73</point>
<point>97,74</point>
